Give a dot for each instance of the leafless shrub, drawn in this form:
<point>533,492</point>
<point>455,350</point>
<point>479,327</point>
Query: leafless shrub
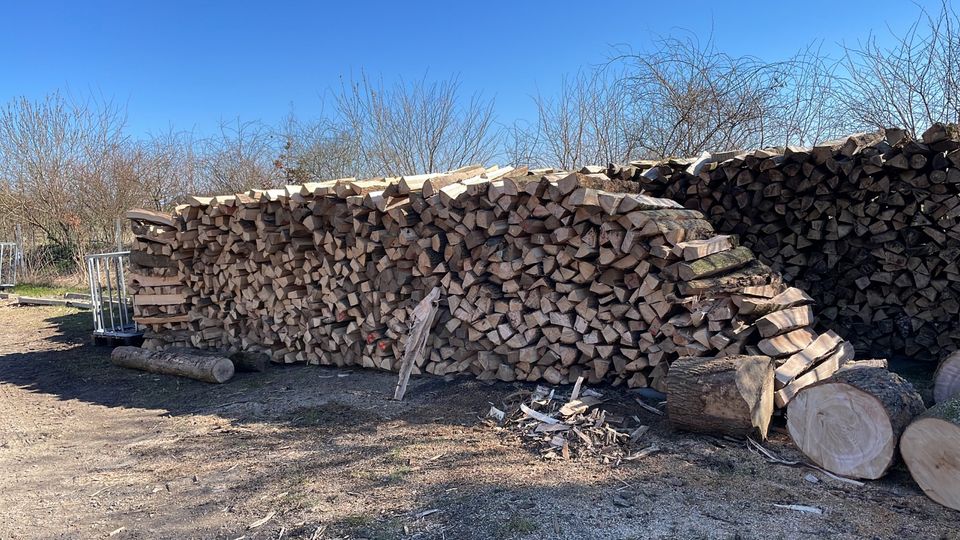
<point>413,127</point>
<point>910,84</point>
<point>317,149</point>
<point>689,97</point>
<point>587,122</point>
<point>167,167</point>
<point>242,155</point>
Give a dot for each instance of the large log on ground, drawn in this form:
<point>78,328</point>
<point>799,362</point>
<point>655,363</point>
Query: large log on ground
<point>850,423</point>
<point>946,383</point>
<point>213,369</point>
<point>931,449</point>
<point>728,395</point>
<point>249,361</point>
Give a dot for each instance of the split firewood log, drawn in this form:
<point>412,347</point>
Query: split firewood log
<point>850,424</point>
<point>931,449</point>
<point>730,395</point>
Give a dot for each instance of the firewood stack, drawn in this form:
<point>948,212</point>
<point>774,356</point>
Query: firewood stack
<point>159,298</point>
<point>544,276</point>
<point>869,226</point>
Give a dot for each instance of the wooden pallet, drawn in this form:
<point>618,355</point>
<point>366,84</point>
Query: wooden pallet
<point>116,340</point>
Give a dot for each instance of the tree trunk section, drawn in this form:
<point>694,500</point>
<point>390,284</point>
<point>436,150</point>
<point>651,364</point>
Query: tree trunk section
<point>931,449</point>
<point>850,423</point>
<point>212,369</point>
<point>730,395</point>
<point>946,383</point>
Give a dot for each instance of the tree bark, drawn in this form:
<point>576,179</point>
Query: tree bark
<point>212,369</point>
<point>730,395</point>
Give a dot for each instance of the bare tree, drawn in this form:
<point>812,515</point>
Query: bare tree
<point>241,156</point>
<point>805,110</point>
<point>167,166</point>
<point>64,167</point>
<point>687,97</point>
<point>415,127</point>
<point>911,84</point>
<point>587,122</point>
<point>54,154</point>
<point>317,149</point>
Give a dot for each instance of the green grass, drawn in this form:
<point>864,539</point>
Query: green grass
<point>38,290</point>
<point>397,475</point>
<point>367,526</point>
<point>517,526</point>
<point>392,477</point>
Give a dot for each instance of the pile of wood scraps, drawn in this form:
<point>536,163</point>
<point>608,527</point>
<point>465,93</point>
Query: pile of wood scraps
<point>572,426</point>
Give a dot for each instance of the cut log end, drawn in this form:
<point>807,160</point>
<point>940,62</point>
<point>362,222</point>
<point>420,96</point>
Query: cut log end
<point>850,425</point>
<point>946,383</point>
<point>931,449</point>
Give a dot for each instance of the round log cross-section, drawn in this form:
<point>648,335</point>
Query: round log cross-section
<point>946,383</point>
<point>850,423</point>
<point>931,449</point>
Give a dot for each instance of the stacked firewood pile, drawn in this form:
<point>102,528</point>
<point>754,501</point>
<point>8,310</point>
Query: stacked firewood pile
<point>156,285</point>
<point>869,226</point>
<point>548,276</point>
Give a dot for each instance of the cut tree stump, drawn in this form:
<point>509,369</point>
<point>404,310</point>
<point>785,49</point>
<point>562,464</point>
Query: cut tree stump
<point>931,449</point>
<point>946,383</point>
<point>213,369</point>
<point>850,423</point>
<point>730,395</point>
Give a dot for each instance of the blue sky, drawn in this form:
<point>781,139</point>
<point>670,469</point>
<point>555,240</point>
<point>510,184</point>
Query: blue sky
<point>190,64</point>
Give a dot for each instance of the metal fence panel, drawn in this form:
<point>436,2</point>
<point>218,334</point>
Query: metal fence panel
<point>9,257</point>
<point>112,309</point>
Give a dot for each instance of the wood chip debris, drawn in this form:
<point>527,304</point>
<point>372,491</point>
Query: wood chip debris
<point>575,427</point>
<point>425,513</point>
<point>261,522</point>
<point>801,508</point>
<point>770,456</point>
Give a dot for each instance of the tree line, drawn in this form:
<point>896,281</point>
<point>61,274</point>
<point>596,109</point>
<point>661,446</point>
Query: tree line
<point>69,167</point>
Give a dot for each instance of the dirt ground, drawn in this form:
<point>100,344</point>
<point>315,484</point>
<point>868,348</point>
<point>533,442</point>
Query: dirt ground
<point>88,450</point>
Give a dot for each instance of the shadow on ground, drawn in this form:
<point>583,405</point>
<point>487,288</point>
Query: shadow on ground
<point>75,369</point>
<point>312,452</point>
